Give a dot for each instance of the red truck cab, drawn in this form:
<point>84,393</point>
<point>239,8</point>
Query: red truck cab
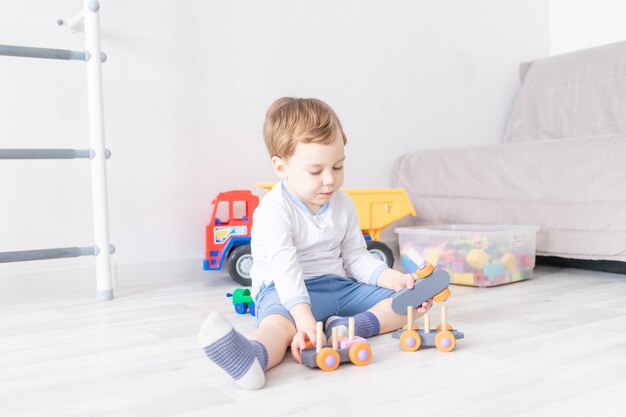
<point>228,234</point>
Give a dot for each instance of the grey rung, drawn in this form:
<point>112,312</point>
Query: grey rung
<point>57,253</point>
<point>47,53</point>
<point>45,153</point>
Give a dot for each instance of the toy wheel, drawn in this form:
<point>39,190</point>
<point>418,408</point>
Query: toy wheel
<point>448,326</point>
<point>381,251</point>
<point>239,265</point>
<point>410,340</point>
<point>252,309</point>
<point>445,341</point>
<point>425,271</point>
<point>327,359</point>
<point>241,308</point>
<point>360,353</point>
<point>442,296</point>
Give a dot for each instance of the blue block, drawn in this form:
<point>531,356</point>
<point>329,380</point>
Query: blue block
<point>492,270</point>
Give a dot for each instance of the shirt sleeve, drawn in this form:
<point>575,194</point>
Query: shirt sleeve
<point>357,261</point>
<point>274,233</point>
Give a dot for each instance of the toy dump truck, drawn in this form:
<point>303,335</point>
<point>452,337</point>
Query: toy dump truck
<point>352,348</point>
<point>228,233</point>
<point>377,208</point>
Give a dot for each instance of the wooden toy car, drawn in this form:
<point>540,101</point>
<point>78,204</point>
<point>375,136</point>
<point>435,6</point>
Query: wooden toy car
<point>412,338</point>
<point>342,349</point>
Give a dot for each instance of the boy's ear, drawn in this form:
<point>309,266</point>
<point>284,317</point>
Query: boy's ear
<point>280,167</point>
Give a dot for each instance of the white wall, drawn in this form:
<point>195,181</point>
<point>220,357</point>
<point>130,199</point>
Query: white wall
<point>186,89</point>
<point>580,24</point>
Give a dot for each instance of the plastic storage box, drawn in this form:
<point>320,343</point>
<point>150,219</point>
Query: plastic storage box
<point>477,255</point>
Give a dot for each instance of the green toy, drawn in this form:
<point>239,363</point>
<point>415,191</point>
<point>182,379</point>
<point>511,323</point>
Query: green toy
<point>242,301</point>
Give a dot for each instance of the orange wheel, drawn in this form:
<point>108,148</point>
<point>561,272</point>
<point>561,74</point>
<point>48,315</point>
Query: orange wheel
<point>327,359</point>
<point>448,327</point>
<point>410,340</point>
<point>442,296</point>
<point>360,353</point>
<point>445,341</point>
<point>425,271</point>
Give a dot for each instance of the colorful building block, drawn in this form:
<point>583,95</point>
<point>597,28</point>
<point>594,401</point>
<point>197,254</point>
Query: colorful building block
<point>463,278</point>
<point>477,258</point>
<point>432,255</point>
<point>516,276</point>
<point>508,260</point>
<point>493,270</point>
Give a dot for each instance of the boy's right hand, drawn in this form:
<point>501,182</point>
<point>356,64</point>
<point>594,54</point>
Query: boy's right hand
<point>304,338</point>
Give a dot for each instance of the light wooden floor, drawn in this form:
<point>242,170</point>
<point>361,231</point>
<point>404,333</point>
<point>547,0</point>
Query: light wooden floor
<point>551,346</point>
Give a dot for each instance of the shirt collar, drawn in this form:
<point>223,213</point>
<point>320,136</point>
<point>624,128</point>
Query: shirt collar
<point>300,204</point>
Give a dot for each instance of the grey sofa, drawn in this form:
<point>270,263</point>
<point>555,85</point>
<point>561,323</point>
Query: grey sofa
<point>561,166</point>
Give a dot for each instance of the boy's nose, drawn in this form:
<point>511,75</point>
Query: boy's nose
<point>328,179</point>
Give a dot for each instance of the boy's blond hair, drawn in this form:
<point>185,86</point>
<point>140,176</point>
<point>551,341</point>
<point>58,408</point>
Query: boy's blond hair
<point>290,121</point>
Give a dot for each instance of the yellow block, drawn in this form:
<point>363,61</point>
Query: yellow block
<point>508,260</point>
<point>463,278</point>
<point>432,256</point>
<point>477,258</point>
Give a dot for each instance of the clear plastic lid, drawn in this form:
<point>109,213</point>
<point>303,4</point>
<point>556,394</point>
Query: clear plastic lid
<point>455,229</point>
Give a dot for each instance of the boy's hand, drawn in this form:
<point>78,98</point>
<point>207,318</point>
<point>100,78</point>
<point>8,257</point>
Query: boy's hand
<point>304,338</point>
<point>426,305</point>
<point>395,280</point>
<point>306,329</point>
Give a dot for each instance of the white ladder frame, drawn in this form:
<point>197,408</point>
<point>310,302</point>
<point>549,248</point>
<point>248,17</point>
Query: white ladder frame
<point>97,153</point>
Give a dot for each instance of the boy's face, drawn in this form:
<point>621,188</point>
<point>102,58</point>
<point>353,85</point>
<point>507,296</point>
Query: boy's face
<point>314,172</point>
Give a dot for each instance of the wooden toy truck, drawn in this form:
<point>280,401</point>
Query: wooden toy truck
<point>443,337</point>
<point>352,348</point>
<point>228,233</point>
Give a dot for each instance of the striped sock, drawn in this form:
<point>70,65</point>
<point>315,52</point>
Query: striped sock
<point>366,324</point>
<point>244,360</point>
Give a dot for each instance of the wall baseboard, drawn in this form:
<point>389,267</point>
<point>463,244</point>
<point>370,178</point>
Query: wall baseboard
<point>61,275</point>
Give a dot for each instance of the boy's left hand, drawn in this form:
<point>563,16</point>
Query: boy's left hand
<point>426,305</point>
<point>395,280</point>
<point>302,340</point>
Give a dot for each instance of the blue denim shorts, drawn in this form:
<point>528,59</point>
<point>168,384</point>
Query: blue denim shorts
<point>331,295</point>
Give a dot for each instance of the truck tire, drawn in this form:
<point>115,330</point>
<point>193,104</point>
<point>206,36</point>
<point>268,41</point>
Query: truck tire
<point>239,265</point>
<point>381,251</point>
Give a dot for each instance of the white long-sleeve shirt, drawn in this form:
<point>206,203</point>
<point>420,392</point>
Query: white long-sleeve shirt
<point>290,244</point>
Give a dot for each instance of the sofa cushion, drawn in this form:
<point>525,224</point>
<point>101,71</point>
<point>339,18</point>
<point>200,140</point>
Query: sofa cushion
<point>575,95</point>
<point>573,189</point>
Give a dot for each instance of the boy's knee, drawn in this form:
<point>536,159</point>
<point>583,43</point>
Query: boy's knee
<point>279,325</point>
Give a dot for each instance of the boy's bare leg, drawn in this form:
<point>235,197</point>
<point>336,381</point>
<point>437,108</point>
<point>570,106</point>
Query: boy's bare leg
<point>390,320</point>
<point>246,359</point>
<point>275,333</point>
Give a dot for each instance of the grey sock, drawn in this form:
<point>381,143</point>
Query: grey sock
<point>366,325</point>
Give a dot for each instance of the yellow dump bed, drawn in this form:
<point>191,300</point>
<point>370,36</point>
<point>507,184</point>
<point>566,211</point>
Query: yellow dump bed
<point>377,207</point>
